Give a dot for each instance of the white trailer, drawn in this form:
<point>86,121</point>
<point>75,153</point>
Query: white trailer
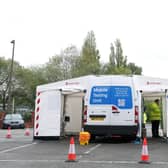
<point>60,107</point>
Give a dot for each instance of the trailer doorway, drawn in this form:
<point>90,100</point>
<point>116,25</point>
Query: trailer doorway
<point>147,98</point>
<point>73,104</point>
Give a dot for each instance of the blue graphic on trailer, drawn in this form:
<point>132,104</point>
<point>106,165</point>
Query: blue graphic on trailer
<point>120,96</point>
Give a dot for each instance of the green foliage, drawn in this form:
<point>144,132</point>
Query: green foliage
<point>27,116</point>
<point>135,69</point>
<point>3,70</point>
<point>89,60</point>
<point>62,66</point>
<point>54,69</point>
<point>118,62</point>
<point>23,83</point>
<point>112,57</point>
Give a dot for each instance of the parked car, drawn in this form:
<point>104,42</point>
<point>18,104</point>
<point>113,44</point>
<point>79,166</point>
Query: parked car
<point>13,121</point>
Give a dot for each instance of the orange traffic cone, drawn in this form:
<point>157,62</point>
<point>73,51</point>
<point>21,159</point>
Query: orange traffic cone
<point>27,132</point>
<point>144,155</point>
<point>9,135</point>
<point>71,154</point>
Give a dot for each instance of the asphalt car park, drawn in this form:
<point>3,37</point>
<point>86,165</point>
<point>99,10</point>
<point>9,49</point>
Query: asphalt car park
<point>22,151</point>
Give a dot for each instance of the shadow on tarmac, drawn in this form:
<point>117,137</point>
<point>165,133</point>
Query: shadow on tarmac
<point>113,140</point>
<point>119,140</point>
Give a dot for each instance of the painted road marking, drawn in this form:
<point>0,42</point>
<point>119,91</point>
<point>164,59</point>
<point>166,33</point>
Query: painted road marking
<point>93,148</point>
<point>18,147</point>
<point>85,161</point>
<point>119,162</point>
<point>90,150</point>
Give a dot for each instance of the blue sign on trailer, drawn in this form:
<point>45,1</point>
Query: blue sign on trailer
<point>120,96</point>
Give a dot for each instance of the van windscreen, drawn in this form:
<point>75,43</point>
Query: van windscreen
<point>120,96</point>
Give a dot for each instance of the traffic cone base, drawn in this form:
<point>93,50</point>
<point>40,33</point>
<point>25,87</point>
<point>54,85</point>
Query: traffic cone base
<point>71,158</point>
<point>8,136</point>
<point>144,162</point>
<point>145,157</point>
<point>27,132</point>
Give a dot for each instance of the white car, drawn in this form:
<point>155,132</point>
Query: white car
<point>13,121</point>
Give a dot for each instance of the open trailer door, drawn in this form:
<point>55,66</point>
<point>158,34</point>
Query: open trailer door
<point>140,111</point>
<point>72,109</point>
<point>166,115</point>
<point>48,114</point>
<point>164,123</point>
<point>73,113</point>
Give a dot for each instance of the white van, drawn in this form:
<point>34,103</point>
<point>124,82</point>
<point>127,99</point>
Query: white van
<point>110,108</point>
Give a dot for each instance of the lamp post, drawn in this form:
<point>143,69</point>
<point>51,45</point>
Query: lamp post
<point>10,79</point>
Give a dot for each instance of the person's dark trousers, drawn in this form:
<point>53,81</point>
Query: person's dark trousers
<point>155,128</point>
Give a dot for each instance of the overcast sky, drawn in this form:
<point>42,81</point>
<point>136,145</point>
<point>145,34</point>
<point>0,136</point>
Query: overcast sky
<point>41,28</point>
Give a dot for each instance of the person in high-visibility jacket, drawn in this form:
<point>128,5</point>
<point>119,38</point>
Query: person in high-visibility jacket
<point>155,117</point>
<point>144,124</point>
<point>144,117</point>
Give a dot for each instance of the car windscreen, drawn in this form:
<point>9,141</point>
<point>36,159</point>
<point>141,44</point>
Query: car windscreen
<point>13,116</point>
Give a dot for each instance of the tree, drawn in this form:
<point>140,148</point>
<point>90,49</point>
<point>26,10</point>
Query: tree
<point>53,70</point>
<point>3,81</point>
<point>25,85</point>
<point>134,69</point>
<point>70,61</point>
<point>112,58</point>
<point>62,66</point>
<point>121,61</point>
<point>4,64</point>
<point>89,60</point>
<point>118,62</point>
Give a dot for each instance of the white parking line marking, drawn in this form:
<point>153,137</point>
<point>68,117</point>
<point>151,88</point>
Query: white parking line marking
<point>118,162</point>
<point>32,161</point>
<point>85,161</point>
<point>90,150</point>
<point>93,148</point>
<point>80,157</point>
<point>18,147</point>
<point>108,162</point>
